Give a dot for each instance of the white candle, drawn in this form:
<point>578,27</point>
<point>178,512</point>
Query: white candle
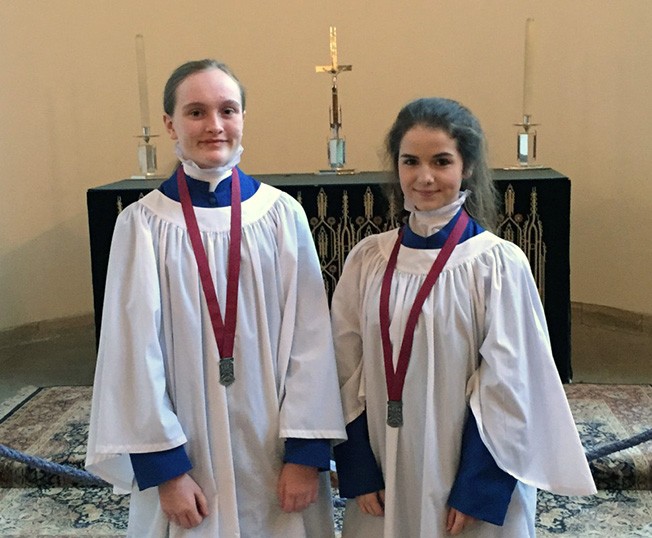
<point>528,69</point>
<point>142,80</point>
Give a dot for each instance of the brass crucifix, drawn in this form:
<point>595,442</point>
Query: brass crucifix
<point>336,151</point>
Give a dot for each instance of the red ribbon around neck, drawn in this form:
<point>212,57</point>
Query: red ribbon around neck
<point>224,331</point>
<point>396,379</point>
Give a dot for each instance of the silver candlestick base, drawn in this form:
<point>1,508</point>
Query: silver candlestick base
<point>147,157</point>
<point>336,152</point>
<point>337,157</point>
<point>526,145</point>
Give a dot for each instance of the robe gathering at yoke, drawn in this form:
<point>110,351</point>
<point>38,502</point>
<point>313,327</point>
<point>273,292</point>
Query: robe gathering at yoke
<point>480,347</point>
<point>158,352</point>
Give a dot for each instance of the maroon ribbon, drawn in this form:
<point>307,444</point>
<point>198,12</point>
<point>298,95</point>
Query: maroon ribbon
<point>396,379</point>
<point>224,331</point>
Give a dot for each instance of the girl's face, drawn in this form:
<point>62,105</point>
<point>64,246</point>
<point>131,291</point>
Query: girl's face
<point>208,118</point>
<point>430,168</point>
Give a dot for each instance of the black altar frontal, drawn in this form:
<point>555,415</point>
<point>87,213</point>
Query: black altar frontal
<point>342,209</point>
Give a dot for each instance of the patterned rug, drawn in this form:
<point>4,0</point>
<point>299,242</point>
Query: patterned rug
<point>53,422</point>
<point>71,512</point>
<point>607,413</point>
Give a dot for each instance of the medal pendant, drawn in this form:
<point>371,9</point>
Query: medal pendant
<point>227,375</point>
<point>395,413</point>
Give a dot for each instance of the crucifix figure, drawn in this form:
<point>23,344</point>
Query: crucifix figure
<point>336,144</point>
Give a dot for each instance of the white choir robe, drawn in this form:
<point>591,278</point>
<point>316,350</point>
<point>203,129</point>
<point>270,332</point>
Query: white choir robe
<point>157,378</point>
<point>481,341</point>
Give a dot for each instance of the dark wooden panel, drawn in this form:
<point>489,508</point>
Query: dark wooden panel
<point>535,214</point>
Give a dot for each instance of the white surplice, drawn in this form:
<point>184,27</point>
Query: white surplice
<point>481,341</point>
<point>157,378</point>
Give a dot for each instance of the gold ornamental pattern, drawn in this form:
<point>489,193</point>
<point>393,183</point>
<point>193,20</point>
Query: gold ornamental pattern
<point>336,235</point>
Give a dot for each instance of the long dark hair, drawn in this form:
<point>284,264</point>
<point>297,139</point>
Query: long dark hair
<point>460,124</point>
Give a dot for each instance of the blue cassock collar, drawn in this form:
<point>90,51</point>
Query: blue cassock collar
<point>221,197</point>
<point>437,240</point>
<point>202,197</point>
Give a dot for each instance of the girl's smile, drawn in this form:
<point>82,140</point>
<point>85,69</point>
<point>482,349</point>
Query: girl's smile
<point>430,168</point>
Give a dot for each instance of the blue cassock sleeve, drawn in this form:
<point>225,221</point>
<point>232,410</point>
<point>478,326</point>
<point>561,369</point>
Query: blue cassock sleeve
<point>311,452</point>
<point>357,469</point>
<point>481,488</point>
<point>153,468</point>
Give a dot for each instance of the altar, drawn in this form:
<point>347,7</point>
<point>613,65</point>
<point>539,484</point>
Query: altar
<point>342,209</point>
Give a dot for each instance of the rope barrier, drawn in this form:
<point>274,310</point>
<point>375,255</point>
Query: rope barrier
<point>85,478</point>
<point>77,475</point>
<point>616,446</point>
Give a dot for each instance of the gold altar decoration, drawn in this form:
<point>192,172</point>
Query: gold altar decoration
<point>336,143</point>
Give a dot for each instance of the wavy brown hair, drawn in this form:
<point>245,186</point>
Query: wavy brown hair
<point>461,125</point>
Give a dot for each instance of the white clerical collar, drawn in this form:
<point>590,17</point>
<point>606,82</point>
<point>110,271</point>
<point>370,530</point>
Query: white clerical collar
<point>213,176</point>
<point>426,223</point>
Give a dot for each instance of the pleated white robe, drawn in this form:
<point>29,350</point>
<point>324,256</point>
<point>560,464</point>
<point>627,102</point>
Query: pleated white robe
<point>481,340</point>
<point>157,378</point>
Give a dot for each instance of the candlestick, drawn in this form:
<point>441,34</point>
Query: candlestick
<point>526,139</point>
<point>526,150</point>
<point>142,81</point>
<point>526,145</point>
<point>528,66</point>
<point>146,150</point>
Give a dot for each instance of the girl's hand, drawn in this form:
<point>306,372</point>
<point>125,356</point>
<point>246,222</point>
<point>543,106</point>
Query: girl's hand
<point>297,487</point>
<point>372,503</point>
<point>456,521</point>
<point>183,501</point>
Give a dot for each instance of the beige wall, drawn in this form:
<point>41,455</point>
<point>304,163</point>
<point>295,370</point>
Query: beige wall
<point>69,110</point>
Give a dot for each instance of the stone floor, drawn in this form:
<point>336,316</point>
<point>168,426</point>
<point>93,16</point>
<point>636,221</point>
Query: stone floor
<point>62,357</point>
<point>608,346</point>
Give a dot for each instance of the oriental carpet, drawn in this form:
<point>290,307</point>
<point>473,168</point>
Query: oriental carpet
<point>53,423</point>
